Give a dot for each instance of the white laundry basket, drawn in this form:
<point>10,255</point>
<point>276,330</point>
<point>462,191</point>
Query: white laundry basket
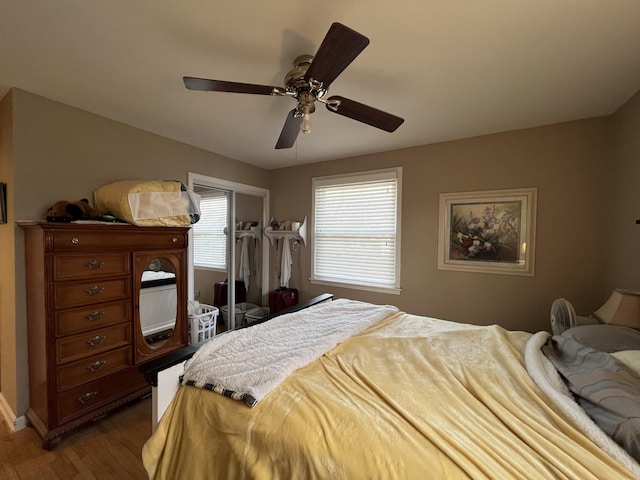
<point>256,314</point>
<point>202,324</point>
<point>241,309</point>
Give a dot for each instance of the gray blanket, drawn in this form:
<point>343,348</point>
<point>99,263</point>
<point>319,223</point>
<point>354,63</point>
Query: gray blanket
<point>607,390</point>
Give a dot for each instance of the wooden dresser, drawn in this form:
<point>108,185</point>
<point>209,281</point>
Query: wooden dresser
<point>84,317</point>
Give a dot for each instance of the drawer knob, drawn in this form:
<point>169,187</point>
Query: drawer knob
<point>97,340</point>
<point>174,240</point>
<point>95,315</point>
<point>94,264</point>
<point>87,397</point>
<point>75,240</point>
<point>95,366</point>
<point>94,290</point>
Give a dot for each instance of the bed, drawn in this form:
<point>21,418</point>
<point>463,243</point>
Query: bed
<point>400,396</point>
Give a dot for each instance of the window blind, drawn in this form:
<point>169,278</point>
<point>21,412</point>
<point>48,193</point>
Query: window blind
<point>355,232</point>
<point>210,241</point>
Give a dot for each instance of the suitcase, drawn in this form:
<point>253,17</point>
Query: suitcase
<point>220,290</point>
<point>282,298</point>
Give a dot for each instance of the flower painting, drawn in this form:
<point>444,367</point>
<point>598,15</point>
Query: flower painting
<point>489,231</point>
<point>485,231</point>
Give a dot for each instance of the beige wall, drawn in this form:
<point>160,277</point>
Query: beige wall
<point>565,162</point>
<point>585,172</point>
<point>619,230</point>
<point>8,353</point>
<point>62,153</point>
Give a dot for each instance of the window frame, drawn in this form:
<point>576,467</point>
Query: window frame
<point>360,177</point>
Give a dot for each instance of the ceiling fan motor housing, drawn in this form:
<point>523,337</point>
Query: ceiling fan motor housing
<point>306,92</point>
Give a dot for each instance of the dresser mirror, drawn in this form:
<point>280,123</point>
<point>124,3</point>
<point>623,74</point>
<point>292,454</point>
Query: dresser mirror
<point>158,301</point>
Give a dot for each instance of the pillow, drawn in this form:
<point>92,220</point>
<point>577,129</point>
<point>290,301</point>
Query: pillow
<point>605,337</point>
<point>149,203</point>
<point>631,358</point>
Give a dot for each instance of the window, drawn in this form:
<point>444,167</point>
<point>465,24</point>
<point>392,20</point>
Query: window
<point>356,240</point>
<point>210,241</point>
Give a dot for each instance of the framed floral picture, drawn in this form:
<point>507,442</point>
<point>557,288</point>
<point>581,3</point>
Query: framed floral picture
<point>488,231</point>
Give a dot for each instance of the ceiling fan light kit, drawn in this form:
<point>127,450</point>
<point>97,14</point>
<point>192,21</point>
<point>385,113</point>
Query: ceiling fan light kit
<point>308,81</point>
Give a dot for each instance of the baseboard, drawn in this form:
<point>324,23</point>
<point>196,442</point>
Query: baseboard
<point>14,423</point>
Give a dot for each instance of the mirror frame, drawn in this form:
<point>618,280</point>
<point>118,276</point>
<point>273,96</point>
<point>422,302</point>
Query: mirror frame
<point>234,188</point>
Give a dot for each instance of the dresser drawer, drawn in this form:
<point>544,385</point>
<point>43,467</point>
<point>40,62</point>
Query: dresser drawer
<point>121,238</point>
<point>87,293</point>
<point>91,317</point>
<point>90,266</point>
<point>91,343</point>
<point>93,368</point>
<point>89,396</point>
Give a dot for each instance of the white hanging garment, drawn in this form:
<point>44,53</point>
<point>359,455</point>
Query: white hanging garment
<point>285,264</point>
<point>245,267</point>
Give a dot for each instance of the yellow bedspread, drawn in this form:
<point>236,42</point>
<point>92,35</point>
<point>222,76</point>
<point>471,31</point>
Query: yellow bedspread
<point>410,398</point>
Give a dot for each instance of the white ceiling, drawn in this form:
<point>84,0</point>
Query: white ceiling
<point>452,69</point>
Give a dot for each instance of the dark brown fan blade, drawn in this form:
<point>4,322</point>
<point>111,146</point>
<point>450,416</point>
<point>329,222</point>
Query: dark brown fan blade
<point>290,130</point>
<point>221,86</point>
<point>339,48</point>
<point>364,113</point>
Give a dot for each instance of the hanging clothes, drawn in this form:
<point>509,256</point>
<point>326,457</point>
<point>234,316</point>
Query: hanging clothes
<point>245,266</point>
<point>285,263</point>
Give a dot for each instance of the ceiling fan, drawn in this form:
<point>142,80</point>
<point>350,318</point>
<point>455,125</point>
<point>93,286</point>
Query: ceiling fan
<point>308,81</point>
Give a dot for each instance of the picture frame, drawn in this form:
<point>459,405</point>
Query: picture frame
<point>3,203</point>
<point>490,231</point>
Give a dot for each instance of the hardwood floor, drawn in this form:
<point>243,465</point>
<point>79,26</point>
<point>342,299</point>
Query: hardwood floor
<point>109,448</point>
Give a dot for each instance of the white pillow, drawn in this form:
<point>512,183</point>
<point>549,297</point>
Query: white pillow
<point>631,358</point>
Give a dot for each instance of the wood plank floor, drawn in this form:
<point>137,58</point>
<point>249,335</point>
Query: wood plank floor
<point>109,448</point>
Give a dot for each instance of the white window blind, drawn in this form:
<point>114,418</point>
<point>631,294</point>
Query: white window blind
<point>356,229</point>
<point>210,241</point>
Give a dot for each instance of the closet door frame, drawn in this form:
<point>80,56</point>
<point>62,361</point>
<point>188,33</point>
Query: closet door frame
<point>234,188</point>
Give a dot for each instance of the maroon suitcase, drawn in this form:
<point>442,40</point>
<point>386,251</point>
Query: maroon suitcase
<point>282,298</point>
<point>220,290</point>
